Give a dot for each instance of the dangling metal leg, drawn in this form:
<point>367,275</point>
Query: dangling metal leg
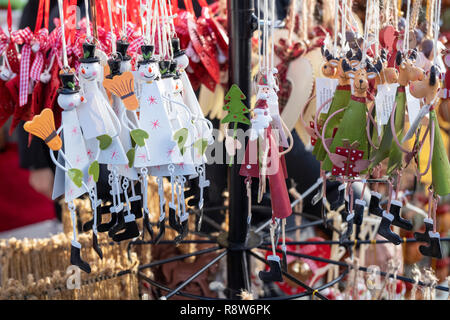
<point>202,184</point>
<point>274,274</point>
<point>184,216</point>
<point>95,204</point>
<point>75,250</point>
<point>131,229</point>
<point>173,208</point>
<point>135,202</point>
<point>144,187</point>
<point>283,246</point>
<point>162,214</point>
<point>118,209</point>
<point>107,226</point>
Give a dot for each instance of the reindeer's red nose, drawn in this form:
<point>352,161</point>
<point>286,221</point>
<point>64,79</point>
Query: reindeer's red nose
<point>150,69</point>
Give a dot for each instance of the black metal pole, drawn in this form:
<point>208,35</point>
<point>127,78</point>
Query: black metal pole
<point>241,25</point>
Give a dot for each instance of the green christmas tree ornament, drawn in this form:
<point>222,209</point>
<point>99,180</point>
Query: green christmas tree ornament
<point>235,107</point>
<point>236,110</point>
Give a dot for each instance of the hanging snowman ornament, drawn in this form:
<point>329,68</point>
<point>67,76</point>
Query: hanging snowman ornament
<point>121,85</point>
<point>203,127</point>
<point>154,119</point>
<point>71,178</point>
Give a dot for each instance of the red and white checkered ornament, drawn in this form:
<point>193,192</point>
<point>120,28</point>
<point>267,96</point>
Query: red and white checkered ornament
<point>352,154</point>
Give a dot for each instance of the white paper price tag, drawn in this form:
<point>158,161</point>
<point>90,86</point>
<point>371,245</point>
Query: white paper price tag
<point>384,102</point>
<point>325,89</point>
<point>413,105</point>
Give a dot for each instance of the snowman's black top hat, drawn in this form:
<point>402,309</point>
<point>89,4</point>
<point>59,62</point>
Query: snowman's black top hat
<point>68,84</point>
<point>114,67</point>
<point>122,47</point>
<point>164,68</point>
<point>89,53</point>
<point>173,67</point>
<point>176,48</point>
<point>147,54</point>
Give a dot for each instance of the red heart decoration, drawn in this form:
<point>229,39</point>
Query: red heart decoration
<point>204,47</point>
<point>219,31</point>
<point>387,37</point>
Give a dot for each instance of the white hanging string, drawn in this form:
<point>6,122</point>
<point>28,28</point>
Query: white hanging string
<point>123,10</point>
<point>154,21</point>
<point>377,27</point>
<point>336,19</point>
<point>272,33</point>
<point>266,35</point>
<point>368,21</point>
<point>343,23</point>
<point>352,23</point>
<point>167,30</point>
<point>113,36</point>
<point>160,51</point>
<point>88,23</point>
<point>259,35</point>
<point>148,24</point>
<point>406,34</point>
<point>172,17</point>
<point>63,35</point>
<point>437,13</point>
<point>163,30</point>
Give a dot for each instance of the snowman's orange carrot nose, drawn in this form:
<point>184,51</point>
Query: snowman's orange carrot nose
<point>82,98</point>
<point>83,71</point>
<point>150,69</point>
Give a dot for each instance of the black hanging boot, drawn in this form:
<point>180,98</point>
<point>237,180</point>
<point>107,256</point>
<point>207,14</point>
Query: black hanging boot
<point>340,200</point>
<point>88,225</point>
<point>434,248</point>
<point>104,227</point>
<point>120,224</point>
<point>136,207</point>
<point>274,274</point>
<point>75,257</point>
<point>183,233</point>
<point>374,204</point>
<point>425,237</point>
<point>131,229</point>
<point>147,226</point>
<point>95,245</point>
<point>346,235</point>
<point>359,211</point>
<point>345,212</point>
<point>161,227</point>
<point>385,229</point>
<point>396,206</point>
<point>173,219</point>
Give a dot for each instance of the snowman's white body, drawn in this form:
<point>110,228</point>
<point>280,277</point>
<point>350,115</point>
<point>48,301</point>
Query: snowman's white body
<point>179,119</point>
<point>96,118</point>
<point>154,119</point>
<point>75,150</point>
<point>190,100</point>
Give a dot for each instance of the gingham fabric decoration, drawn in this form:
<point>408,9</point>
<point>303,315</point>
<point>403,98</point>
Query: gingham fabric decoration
<point>4,41</point>
<point>38,63</point>
<point>23,37</point>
